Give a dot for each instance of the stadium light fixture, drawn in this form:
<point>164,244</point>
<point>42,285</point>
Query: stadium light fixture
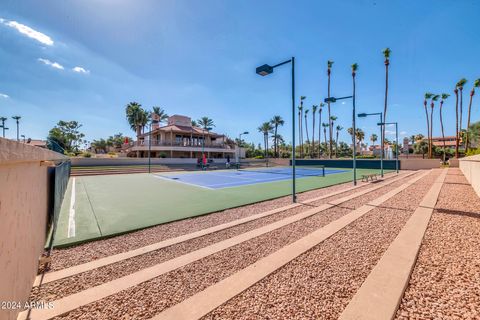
<point>264,70</point>
<point>382,139</point>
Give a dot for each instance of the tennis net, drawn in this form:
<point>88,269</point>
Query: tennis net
<point>308,170</point>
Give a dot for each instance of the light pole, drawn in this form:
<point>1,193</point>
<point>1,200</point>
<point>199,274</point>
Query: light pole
<point>354,164</point>
<point>396,140</point>
<point>240,141</point>
<point>382,139</point>
<point>17,118</point>
<point>3,119</point>
<point>266,70</point>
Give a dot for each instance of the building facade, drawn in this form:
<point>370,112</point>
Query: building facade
<point>179,139</point>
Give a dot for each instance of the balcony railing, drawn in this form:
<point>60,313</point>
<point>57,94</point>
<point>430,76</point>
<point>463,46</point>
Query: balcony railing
<point>181,144</point>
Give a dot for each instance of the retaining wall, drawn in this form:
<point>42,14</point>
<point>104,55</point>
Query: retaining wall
<point>24,206</point>
<point>470,167</point>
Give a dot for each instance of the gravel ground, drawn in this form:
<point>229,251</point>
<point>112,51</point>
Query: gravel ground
<point>150,298</point>
<point>57,289</point>
<point>445,283</point>
<point>64,258</point>
<point>320,283</point>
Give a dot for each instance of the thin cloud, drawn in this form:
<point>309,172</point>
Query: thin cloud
<point>52,64</point>
<point>81,70</point>
<point>3,95</point>
<point>29,32</point>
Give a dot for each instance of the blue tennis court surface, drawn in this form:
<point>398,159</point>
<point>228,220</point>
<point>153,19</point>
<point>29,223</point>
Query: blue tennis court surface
<point>220,179</point>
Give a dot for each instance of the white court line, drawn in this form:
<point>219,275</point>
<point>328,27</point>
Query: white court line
<point>180,181</point>
<point>71,213</point>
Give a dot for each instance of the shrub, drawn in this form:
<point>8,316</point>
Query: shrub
<point>473,152</point>
<point>259,157</point>
<point>87,155</point>
<point>162,155</point>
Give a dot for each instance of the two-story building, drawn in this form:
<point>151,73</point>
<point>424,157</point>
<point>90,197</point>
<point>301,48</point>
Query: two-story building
<point>179,139</point>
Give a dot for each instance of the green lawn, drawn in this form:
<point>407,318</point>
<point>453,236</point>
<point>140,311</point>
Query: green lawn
<point>113,204</point>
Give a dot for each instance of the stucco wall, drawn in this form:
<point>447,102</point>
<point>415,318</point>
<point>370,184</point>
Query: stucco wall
<point>23,211</point>
<point>470,167</point>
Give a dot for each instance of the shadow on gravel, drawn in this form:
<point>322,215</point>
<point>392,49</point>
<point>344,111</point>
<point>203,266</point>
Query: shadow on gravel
<point>458,213</point>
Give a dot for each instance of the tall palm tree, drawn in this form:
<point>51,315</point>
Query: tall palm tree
<point>386,54</point>
<point>206,124</point>
<point>306,130</point>
<point>360,135</point>
<point>136,117</point>
<point>276,121</point>
<point>320,126</point>
<point>325,126</point>
<point>194,123</point>
<point>427,96</point>
<point>265,128</point>
<point>456,122</point>
<point>300,122</point>
<point>332,126</point>
<point>330,130</point>
<point>476,84</point>
<point>17,121</point>
<point>314,110</point>
<point>444,97</point>
<point>460,84</point>
<point>160,113</point>
<point>354,73</point>
<point>432,105</point>
<point>373,138</point>
<point>338,129</point>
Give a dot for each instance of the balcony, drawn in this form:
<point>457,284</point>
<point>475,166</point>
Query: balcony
<point>185,144</point>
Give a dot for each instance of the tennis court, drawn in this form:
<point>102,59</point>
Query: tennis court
<point>101,206</point>
<point>219,179</point>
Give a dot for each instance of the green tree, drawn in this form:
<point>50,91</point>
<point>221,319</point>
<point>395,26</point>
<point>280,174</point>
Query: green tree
<point>458,112</point>
<point>314,110</point>
<point>427,96</point>
<point>338,129</point>
<point>444,97</point>
<point>265,128</point>
<point>67,135</point>
<point>276,122</point>
<point>160,113</point>
<point>476,84</point>
<point>432,106</point>
<point>137,117</point>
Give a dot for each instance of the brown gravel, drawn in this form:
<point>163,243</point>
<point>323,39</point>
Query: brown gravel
<point>320,283</point>
<point>64,258</point>
<point>149,298</point>
<point>445,283</point>
<point>57,289</point>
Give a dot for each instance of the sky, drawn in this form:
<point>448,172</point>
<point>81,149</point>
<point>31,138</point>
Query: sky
<point>85,60</point>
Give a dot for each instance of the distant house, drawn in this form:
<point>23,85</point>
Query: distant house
<point>179,139</point>
<point>37,143</point>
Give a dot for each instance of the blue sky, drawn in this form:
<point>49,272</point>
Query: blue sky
<point>198,58</point>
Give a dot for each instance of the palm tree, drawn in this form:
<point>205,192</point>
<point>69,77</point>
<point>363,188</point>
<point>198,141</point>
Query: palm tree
<point>432,105</point>
<point>332,125</point>
<point>319,126</point>
<point>136,117</point>
<point>360,135</point>
<point>265,128</point>
<point>276,121</point>
<point>386,54</point>
<point>194,123</point>
<point>476,84</point>
<point>306,129</point>
<point>456,122</point>
<point>444,97</point>
<point>325,126</point>
<point>460,85</point>
<point>300,127</point>
<point>373,138</point>
<point>17,120</point>
<point>338,129</point>
<point>329,71</point>
<point>162,116</point>
<point>206,124</point>
<point>314,110</point>
<point>427,96</point>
